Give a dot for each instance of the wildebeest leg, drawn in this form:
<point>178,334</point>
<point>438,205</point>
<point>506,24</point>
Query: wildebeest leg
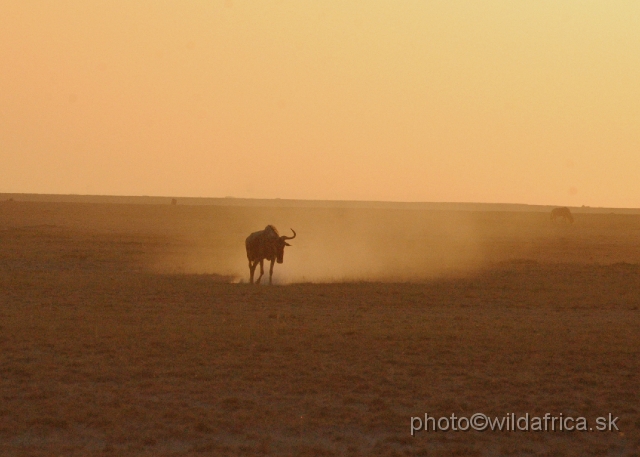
<point>271,271</point>
<point>261,271</point>
<point>252,269</point>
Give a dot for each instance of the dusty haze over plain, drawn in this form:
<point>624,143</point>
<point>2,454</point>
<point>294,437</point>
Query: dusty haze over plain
<point>495,101</point>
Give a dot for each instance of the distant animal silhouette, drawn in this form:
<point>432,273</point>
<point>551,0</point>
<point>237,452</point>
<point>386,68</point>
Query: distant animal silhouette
<point>265,244</point>
<point>562,213</point>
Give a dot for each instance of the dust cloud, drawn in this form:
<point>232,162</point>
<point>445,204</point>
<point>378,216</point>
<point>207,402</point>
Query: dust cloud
<point>332,244</point>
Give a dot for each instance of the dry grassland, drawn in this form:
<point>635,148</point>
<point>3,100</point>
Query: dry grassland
<point>124,331</point>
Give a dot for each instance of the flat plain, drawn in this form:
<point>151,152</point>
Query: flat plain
<point>129,329</point>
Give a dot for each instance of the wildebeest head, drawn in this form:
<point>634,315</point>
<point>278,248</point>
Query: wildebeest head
<point>281,243</point>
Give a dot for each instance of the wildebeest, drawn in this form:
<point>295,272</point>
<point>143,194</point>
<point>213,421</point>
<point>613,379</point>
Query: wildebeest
<point>562,213</point>
<point>265,244</point>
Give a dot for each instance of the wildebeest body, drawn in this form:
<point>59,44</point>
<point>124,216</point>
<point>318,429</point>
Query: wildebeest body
<point>562,213</point>
<point>265,244</point>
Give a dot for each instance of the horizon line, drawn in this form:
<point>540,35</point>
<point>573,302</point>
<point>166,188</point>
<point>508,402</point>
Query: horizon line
<point>169,198</point>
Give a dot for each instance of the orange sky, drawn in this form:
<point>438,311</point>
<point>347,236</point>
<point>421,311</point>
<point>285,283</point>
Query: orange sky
<point>421,100</point>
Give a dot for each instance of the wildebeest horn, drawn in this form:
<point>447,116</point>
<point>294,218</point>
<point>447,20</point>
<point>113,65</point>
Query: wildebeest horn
<point>289,237</point>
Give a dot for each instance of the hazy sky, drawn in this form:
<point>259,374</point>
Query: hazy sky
<point>417,100</point>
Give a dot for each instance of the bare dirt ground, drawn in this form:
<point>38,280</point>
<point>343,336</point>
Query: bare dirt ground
<point>126,330</point>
